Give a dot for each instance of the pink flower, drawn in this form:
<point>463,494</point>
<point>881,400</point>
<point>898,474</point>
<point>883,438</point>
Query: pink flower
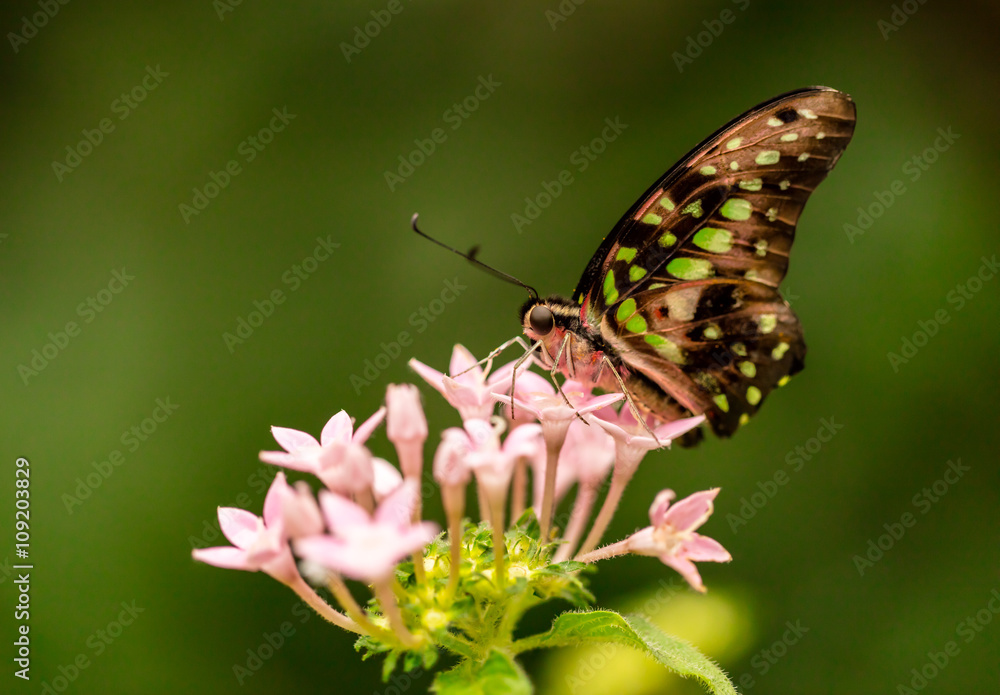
<point>450,467</point>
<point>259,544</point>
<point>300,515</point>
<point>633,441</point>
<point>338,459</point>
<point>367,547</point>
<point>493,462</point>
<point>386,479</point>
<point>468,389</point>
<point>406,427</point>
<point>672,538</point>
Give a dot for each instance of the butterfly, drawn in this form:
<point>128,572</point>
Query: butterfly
<point>679,307</point>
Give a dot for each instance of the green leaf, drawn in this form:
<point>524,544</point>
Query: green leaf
<point>572,629</point>
<point>498,675</point>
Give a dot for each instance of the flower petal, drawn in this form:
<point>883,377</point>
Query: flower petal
<point>692,511</point>
<point>673,430</point>
<point>428,374</point>
<point>290,439</point>
<point>704,549</point>
<point>464,367</point>
<point>658,510</point>
<point>341,514</point>
<point>225,557</point>
<point>387,478</point>
<point>686,569</point>
<point>366,428</point>
<point>239,526</point>
<point>339,428</point>
<point>286,460</point>
<point>397,508</point>
<point>273,501</point>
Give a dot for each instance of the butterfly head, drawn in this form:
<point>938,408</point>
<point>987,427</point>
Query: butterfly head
<point>549,319</point>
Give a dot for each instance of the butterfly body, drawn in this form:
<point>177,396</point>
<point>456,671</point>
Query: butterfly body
<point>680,306</point>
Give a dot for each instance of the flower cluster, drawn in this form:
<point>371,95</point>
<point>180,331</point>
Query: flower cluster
<point>462,589</point>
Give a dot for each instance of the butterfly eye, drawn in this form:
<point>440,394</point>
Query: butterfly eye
<point>542,321</point>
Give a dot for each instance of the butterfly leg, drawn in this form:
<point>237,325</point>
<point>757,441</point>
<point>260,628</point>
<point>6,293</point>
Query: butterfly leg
<point>641,419</point>
<point>570,369</point>
<point>488,360</point>
<point>517,365</point>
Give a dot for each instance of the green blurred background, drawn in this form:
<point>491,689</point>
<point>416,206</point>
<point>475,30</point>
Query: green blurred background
<point>222,69</point>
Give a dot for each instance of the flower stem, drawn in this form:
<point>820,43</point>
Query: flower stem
<point>383,592</point>
<point>496,521</point>
<point>553,444</point>
<point>351,606</point>
<point>325,610</point>
<point>520,490</point>
<point>582,507</point>
<point>608,551</point>
<point>618,483</point>
<point>418,556</point>
<point>453,497</point>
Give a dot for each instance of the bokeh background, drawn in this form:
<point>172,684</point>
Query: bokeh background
<point>214,73</point>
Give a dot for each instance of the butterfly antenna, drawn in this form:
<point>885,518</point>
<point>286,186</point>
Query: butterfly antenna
<point>471,257</point>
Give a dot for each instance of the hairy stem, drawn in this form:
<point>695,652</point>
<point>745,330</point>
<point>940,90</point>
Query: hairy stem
<point>582,507</point>
<point>618,483</point>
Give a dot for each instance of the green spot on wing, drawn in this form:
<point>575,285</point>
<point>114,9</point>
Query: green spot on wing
<point>690,268</point>
<point>751,184</point>
<point>749,369</point>
<point>722,402</point>
<point>610,291</point>
<point>711,332</point>
<point>753,395</point>
<point>736,209</point>
<point>768,157</point>
<point>714,240</point>
<point>636,324</point>
<point>767,322</point>
<point>693,209</point>
<point>625,309</point>
<point>667,239</point>
<point>666,348</point>
<point>635,273</point>
<point>779,351</point>
<point>625,253</point>
<point>655,286</point>
<point>652,218</point>
<point>667,204</point>
<point>707,170</point>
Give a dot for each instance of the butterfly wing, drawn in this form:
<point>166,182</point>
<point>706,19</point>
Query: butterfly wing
<point>685,287</point>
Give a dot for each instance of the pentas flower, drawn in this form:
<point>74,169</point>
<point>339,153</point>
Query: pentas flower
<point>406,427</point>
<point>259,544</point>
<point>466,591</point>
<point>672,537</point>
<point>336,459</point>
<point>468,389</point>
<point>363,546</point>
